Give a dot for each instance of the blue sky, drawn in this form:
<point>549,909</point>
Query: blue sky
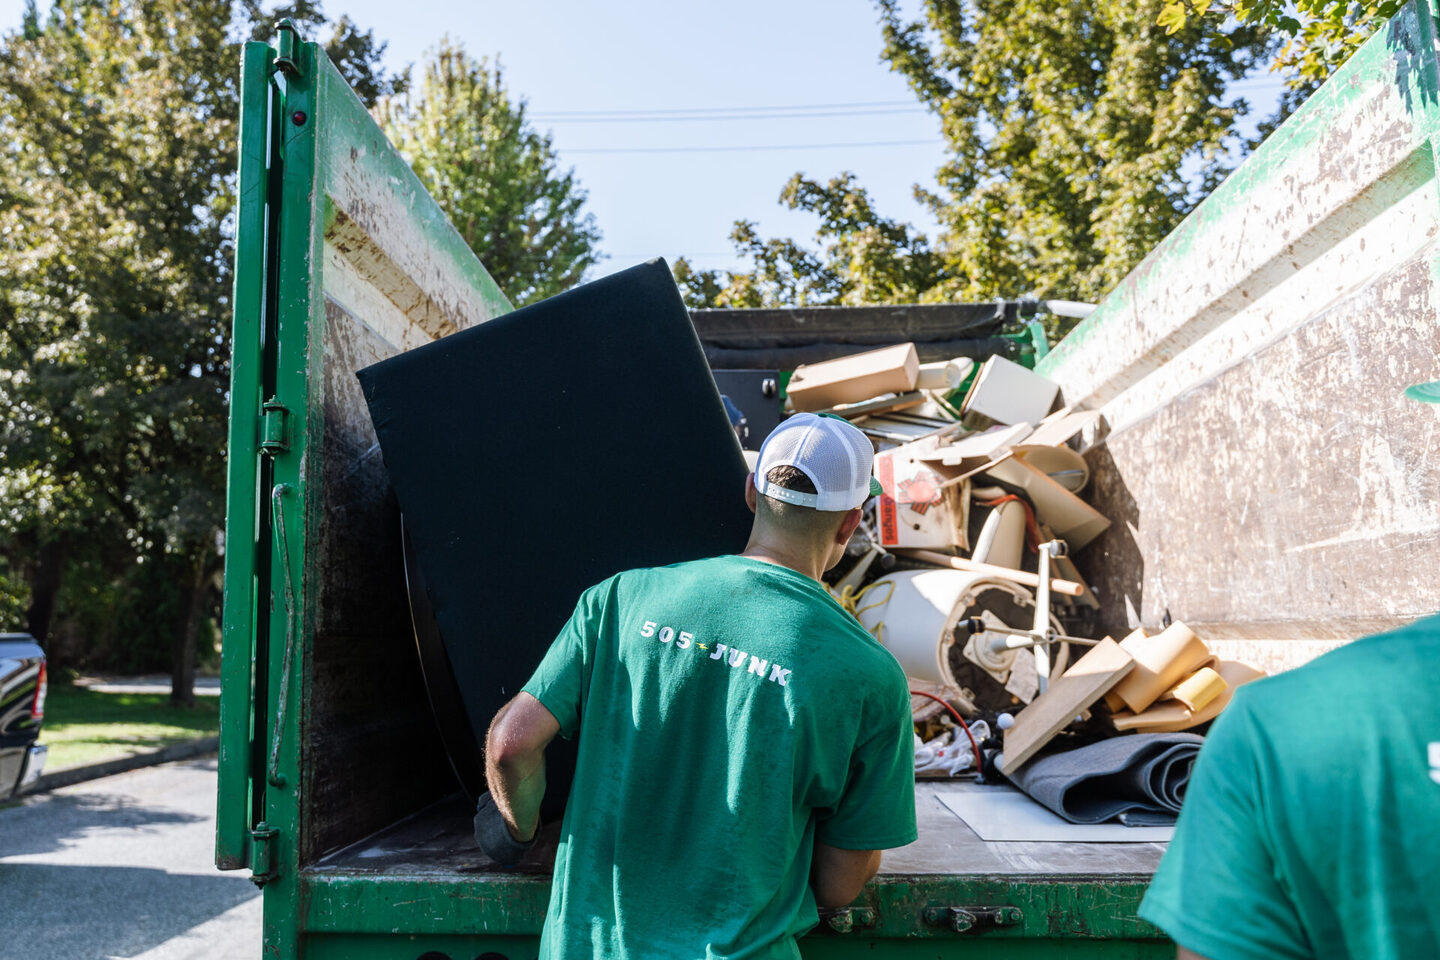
<point>574,57</point>
<point>666,191</point>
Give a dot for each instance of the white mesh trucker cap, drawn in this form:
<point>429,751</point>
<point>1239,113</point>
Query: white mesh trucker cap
<point>835,455</point>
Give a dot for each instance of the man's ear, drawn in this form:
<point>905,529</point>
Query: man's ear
<point>750,493</point>
<point>848,525</point>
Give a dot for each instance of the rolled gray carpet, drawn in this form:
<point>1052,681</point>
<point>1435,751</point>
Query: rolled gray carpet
<point>1139,778</point>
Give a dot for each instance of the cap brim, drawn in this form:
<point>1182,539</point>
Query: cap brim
<point>875,488</point>
<point>1425,392</point>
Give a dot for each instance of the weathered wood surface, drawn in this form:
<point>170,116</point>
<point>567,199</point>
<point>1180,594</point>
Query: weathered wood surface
<point>1268,483</point>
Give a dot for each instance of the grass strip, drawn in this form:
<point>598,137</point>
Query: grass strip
<point>84,726</point>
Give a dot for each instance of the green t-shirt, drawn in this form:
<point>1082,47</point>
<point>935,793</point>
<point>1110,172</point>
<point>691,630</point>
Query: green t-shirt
<point>1311,826</point>
<point>730,714</point>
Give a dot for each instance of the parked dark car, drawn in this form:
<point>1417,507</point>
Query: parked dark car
<point>22,707</point>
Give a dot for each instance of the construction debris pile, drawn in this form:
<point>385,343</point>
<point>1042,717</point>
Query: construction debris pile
<point>963,569</point>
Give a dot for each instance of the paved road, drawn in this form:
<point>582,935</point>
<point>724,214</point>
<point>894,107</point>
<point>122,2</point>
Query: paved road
<point>121,867</point>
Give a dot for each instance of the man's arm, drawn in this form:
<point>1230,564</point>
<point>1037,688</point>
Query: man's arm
<point>1182,954</point>
<point>515,762</point>
<point>838,875</point>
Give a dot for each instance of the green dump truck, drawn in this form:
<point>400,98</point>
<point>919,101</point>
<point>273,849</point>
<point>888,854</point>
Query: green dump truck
<point>1268,483</point>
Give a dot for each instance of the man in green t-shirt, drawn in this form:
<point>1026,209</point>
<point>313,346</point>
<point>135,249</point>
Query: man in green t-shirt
<point>1311,826</point>
<point>745,747</point>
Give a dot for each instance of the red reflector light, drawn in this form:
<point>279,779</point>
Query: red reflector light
<point>42,684</point>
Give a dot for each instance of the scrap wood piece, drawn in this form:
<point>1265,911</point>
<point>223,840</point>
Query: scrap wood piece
<point>1006,392</point>
<point>1168,716</point>
<point>1067,587</point>
<point>980,446</point>
<point>858,377</point>
<point>1060,426</point>
<point>1072,519</point>
<point>1198,689</point>
<point>1161,662</point>
<point>888,403</point>
<point>1092,676</point>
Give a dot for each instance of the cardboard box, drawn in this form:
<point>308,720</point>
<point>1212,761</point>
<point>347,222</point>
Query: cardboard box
<point>924,504</point>
<point>1008,393</point>
<point>861,376</point>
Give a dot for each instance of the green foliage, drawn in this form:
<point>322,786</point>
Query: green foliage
<point>116,196</point>
<point>1078,135</point>
<point>865,258</point>
<point>495,176</point>
<point>1319,35</point>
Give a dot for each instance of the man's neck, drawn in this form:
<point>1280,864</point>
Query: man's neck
<point>804,562</point>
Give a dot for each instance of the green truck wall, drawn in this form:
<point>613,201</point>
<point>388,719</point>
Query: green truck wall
<point>1270,484</point>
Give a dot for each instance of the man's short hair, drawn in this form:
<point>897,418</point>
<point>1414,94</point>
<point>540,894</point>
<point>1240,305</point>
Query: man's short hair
<point>791,515</point>
<point>791,478</point>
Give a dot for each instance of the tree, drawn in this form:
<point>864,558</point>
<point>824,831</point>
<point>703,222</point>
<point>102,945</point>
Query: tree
<point>865,258</point>
<point>496,177</point>
<point>120,125</point>
<point>1078,135</point>
<point>1320,34</point>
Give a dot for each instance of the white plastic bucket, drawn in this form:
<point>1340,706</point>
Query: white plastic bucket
<point>917,620</point>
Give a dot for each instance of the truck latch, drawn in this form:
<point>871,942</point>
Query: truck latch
<point>262,868</point>
<point>274,424</point>
<point>973,919</point>
<point>847,919</point>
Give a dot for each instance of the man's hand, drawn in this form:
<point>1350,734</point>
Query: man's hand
<point>494,836</point>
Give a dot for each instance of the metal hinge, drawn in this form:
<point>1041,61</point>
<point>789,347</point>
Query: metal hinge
<point>262,869</point>
<point>287,60</point>
<point>974,919</point>
<point>274,424</point>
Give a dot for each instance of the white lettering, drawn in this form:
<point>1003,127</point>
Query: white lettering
<point>780,675</point>
<point>737,657</point>
<point>757,666</point>
<point>719,651</point>
<point>648,630</point>
<point>667,634</point>
<point>685,640</point>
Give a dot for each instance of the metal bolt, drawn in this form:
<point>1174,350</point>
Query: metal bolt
<point>298,118</point>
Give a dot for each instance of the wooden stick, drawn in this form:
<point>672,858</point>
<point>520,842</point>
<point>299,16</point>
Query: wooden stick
<point>1068,587</point>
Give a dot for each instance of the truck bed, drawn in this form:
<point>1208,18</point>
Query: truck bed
<point>438,842</point>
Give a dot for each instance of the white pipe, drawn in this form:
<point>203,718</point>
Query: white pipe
<point>1069,308</point>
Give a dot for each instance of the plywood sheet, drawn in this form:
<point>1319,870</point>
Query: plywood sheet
<point>1084,683</point>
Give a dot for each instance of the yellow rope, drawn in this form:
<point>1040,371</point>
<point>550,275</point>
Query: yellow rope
<point>850,598</point>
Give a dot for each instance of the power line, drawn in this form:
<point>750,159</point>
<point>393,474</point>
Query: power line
<point>706,117</point>
<point>753,147</point>
<point>689,110</point>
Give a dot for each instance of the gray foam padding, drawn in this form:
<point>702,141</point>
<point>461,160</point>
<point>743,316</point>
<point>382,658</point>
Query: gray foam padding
<point>1140,778</point>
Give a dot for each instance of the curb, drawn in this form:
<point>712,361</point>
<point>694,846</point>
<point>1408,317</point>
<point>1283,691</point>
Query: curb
<point>107,768</point>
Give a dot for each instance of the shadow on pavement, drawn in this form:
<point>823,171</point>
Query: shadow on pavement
<point>47,823</point>
<point>52,911</point>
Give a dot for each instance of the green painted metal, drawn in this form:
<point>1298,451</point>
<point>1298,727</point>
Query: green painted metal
<point>290,495</point>
<point>232,814</point>
<point>466,916</point>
